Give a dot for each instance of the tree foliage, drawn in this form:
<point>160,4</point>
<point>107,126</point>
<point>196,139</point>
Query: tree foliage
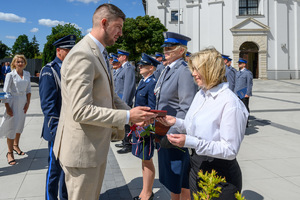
<point>58,32</point>
<point>23,46</point>
<point>140,35</point>
<point>4,50</point>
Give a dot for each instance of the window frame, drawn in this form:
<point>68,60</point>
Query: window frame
<point>247,8</point>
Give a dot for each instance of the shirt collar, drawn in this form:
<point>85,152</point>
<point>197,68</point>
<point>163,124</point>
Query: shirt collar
<point>174,63</point>
<point>100,46</point>
<point>124,63</point>
<point>216,90</point>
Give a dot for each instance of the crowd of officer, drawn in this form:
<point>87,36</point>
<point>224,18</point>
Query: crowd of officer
<point>174,91</point>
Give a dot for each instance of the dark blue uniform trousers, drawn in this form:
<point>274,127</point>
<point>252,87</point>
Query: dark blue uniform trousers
<point>55,178</point>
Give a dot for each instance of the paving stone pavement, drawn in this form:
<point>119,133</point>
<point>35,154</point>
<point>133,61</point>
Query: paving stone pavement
<point>269,155</point>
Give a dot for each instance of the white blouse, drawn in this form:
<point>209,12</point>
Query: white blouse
<point>215,123</point>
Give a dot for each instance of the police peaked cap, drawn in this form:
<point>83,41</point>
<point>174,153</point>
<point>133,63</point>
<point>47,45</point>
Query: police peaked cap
<point>115,60</point>
<point>188,54</point>
<point>225,56</point>
<point>112,55</point>
<point>242,61</point>
<point>158,54</point>
<point>122,52</point>
<point>148,60</point>
<point>67,42</point>
<point>173,39</point>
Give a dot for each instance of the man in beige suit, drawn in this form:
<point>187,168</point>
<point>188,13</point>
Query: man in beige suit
<point>90,108</point>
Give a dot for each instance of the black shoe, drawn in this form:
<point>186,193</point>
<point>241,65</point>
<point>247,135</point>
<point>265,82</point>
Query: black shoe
<point>125,149</point>
<point>138,198</point>
<point>119,145</point>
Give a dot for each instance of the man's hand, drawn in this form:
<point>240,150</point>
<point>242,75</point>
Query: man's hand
<point>176,139</point>
<point>141,114</point>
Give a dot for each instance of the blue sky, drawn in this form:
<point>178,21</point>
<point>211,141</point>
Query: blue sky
<point>37,17</point>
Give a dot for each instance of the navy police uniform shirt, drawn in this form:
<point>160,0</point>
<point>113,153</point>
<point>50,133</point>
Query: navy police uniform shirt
<point>144,95</point>
<point>50,96</point>
<point>244,79</point>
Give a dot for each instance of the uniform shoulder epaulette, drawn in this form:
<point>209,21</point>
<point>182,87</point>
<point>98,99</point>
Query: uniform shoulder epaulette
<point>184,63</point>
<point>48,71</point>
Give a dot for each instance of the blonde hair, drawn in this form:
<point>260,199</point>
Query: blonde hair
<point>210,65</point>
<point>13,63</point>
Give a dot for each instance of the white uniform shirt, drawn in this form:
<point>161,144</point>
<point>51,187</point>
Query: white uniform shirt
<point>215,123</point>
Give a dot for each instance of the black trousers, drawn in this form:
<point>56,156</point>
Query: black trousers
<point>245,100</point>
<point>229,169</point>
<point>127,139</point>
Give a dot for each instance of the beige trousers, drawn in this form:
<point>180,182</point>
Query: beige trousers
<point>84,183</point>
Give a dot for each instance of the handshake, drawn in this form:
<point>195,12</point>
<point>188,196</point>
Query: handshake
<point>143,116</point>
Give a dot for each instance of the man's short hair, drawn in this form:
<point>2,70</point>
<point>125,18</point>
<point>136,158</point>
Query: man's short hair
<point>108,11</point>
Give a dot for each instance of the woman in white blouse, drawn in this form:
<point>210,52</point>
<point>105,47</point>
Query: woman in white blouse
<point>215,124</point>
<point>17,84</point>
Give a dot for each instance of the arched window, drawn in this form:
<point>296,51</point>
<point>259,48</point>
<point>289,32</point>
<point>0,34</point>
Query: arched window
<point>248,7</point>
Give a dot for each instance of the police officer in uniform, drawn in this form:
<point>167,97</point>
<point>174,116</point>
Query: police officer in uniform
<point>50,96</point>
<point>175,91</point>
<point>159,57</point>
<point>243,83</point>
<point>117,68</point>
<point>111,57</point>
<point>230,72</point>
<point>125,89</point>
<point>187,56</point>
<point>143,147</point>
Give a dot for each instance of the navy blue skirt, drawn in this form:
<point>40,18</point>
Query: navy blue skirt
<point>145,153</point>
<point>174,166</point>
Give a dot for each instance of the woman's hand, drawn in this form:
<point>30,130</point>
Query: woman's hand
<point>176,139</point>
<point>26,107</point>
<point>9,111</point>
<point>168,120</point>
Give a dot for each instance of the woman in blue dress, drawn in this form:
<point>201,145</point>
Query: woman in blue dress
<point>143,146</point>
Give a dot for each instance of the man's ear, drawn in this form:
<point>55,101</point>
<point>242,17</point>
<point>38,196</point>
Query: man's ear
<point>104,22</point>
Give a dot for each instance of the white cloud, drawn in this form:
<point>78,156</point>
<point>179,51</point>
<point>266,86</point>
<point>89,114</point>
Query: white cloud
<point>34,30</point>
<point>50,23</point>
<point>85,1</point>
<point>11,37</point>
<point>10,17</point>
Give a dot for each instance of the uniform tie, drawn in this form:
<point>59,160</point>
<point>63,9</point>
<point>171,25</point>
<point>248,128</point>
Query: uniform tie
<point>167,70</point>
<point>105,54</point>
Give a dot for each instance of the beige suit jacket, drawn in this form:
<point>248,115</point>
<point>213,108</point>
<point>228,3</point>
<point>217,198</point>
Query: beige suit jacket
<point>88,112</point>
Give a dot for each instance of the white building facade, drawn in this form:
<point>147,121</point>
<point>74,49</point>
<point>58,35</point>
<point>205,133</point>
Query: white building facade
<point>264,32</point>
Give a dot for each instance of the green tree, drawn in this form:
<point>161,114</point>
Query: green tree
<point>21,46</point>
<point>34,45</point>
<point>58,32</point>
<point>140,35</point>
<point>4,50</point>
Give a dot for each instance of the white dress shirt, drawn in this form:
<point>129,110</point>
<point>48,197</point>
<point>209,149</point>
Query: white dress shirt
<point>215,123</point>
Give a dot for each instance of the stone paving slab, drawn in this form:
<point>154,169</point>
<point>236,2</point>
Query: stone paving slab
<point>269,155</point>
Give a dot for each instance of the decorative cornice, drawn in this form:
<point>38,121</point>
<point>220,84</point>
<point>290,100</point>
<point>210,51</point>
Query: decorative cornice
<point>264,28</point>
<point>215,1</point>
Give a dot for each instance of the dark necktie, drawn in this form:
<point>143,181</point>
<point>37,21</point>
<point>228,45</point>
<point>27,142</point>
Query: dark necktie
<point>105,54</point>
<point>167,70</point>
